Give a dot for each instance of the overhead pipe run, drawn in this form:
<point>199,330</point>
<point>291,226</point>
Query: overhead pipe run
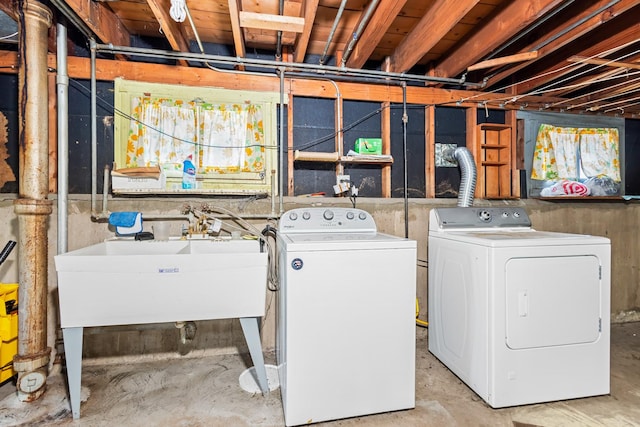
<point>326,70</point>
<point>361,26</point>
<point>32,207</point>
<point>333,30</point>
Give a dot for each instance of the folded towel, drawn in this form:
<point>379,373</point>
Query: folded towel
<point>126,223</point>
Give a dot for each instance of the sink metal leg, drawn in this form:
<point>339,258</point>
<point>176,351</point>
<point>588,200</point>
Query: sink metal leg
<point>73,353</point>
<point>252,336</point>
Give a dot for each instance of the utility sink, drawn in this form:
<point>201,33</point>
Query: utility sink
<point>122,282</point>
<point>119,282</point>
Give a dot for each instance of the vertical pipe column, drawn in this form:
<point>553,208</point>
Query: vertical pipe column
<point>32,206</point>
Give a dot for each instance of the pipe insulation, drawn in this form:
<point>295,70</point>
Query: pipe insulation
<point>468,174</point>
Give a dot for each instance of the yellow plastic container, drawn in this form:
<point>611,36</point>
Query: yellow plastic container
<point>8,329</point>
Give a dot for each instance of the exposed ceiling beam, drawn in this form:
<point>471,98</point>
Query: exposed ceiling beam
<point>568,31</point>
<point>437,21</point>
<point>379,23</point>
<point>266,21</point>
<point>618,41</point>
<point>9,8</point>
<point>238,38</point>
<point>605,62</point>
<point>518,57</point>
<point>104,23</point>
<point>503,26</point>
<point>300,48</point>
<point>170,28</point>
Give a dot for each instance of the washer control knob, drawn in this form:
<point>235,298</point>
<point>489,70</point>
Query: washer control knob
<point>306,216</point>
<point>485,216</point>
<point>505,214</point>
<point>362,216</point>
<point>516,214</point>
<point>328,215</point>
<point>350,215</point>
<point>293,216</point>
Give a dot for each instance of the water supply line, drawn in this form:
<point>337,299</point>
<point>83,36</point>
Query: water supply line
<point>468,174</point>
<point>333,31</point>
<point>281,142</point>
<point>405,119</point>
<point>94,132</point>
<point>361,26</point>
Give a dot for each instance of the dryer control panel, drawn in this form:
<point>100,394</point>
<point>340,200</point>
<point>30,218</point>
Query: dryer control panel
<point>326,220</point>
<point>480,217</point>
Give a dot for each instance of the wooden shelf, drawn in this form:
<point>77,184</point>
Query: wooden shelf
<point>313,156</point>
<point>494,157</point>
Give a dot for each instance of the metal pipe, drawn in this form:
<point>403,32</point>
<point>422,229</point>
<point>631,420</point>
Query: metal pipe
<point>279,41</point>
<point>62,84</point>
<point>405,119</point>
<point>281,142</point>
<point>361,26</point>
<point>326,70</point>
<point>32,207</point>
<point>72,17</point>
<point>94,130</point>
<point>333,30</point>
<point>105,190</point>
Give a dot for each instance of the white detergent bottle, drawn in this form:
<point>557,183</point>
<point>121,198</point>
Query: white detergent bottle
<point>188,174</point>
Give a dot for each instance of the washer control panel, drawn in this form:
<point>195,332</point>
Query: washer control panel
<point>507,217</point>
<point>326,220</point>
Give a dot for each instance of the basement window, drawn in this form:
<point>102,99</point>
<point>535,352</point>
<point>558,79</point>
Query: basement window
<point>576,161</point>
<point>230,137</point>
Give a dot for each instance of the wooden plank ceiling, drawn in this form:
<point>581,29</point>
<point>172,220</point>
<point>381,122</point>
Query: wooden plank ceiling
<point>576,55</point>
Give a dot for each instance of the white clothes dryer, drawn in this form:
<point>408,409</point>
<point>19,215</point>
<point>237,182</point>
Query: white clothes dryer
<point>521,316</point>
<point>346,316</point>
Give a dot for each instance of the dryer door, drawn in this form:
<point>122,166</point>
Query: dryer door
<point>552,301</point>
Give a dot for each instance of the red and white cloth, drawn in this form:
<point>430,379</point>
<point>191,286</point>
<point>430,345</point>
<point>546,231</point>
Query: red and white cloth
<point>566,188</point>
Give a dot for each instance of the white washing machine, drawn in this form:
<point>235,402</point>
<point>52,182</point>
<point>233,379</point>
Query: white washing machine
<point>521,316</point>
<point>346,316</point>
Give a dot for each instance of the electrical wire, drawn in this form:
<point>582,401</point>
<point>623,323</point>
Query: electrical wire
<point>161,132</point>
<point>206,210</point>
<point>9,36</point>
<point>514,98</point>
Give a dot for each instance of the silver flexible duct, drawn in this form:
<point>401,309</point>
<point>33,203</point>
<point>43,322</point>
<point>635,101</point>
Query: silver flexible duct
<point>468,174</point>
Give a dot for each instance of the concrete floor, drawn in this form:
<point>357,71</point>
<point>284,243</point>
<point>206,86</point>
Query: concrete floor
<point>205,392</point>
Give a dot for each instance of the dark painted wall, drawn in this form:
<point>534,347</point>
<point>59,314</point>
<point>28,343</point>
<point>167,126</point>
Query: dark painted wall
<point>314,130</point>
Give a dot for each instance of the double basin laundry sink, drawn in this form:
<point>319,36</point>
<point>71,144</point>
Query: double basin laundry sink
<point>122,282</point>
<point>118,282</point>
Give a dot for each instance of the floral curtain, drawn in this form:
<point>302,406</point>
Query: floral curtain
<point>576,153</point>
<point>219,138</point>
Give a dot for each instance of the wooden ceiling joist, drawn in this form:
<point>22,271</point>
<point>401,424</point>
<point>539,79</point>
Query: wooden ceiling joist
<point>588,20</point>
<point>442,16</point>
<point>605,62</point>
<point>102,21</point>
<point>506,24</point>
<point>625,37</point>
<point>266,21</point>
<point>302,42</point>
<point>170,28</point>
<point>238,38</point>
<point>378,24</point>
<point>495,62</point>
